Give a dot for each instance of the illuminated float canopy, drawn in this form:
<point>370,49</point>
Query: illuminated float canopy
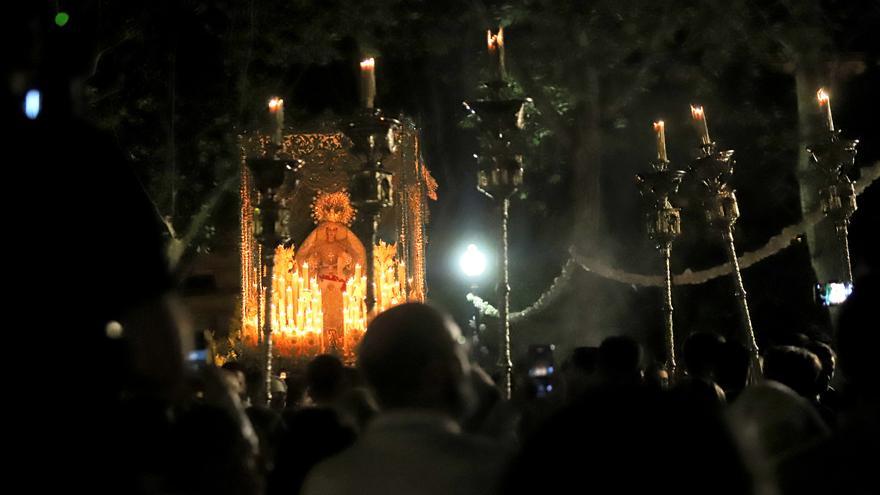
<point>319,280</point>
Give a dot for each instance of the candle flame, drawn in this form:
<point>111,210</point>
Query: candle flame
<point>823,96</point>
<point>275,104</point>
<point>697,112</point>
<point>368,64</point>
<point>658,126</point>
<point>495,40</point>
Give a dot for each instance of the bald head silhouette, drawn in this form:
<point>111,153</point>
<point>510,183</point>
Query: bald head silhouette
<point>412,359</point>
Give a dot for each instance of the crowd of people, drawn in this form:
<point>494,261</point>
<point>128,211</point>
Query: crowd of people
<point>416,416</point>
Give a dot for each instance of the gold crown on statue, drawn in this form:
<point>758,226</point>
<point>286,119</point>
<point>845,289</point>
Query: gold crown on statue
<point>333,207</point>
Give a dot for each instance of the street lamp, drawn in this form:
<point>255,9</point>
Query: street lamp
<point>472,262</point>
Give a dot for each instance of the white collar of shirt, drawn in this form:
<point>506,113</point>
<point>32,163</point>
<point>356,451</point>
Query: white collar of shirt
<point>413,420</point>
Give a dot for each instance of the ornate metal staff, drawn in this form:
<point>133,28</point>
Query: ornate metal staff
<point>834,157</point>
<point>663,223</point>
<point>500,175</point>
<point>373,136</point>
<point>269,174</point>
<point>713,170</point>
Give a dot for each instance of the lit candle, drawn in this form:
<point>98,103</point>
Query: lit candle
<point>660,129</point>
<point>368,82</point>
<point>276,107</point>
<point>825,101</point>
<point>495,43</point>
<point>702,126</point>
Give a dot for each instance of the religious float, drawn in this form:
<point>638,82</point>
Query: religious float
<point>333,221</point>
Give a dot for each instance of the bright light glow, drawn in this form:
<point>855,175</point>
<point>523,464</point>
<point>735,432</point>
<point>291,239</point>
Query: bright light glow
<point>32,103</point>
<point>822,96</point>
<point>113,329</point>
<point>61,19</point>
<point>494,40</point>
<point>697,112</point>
<point>837,293</point>
<point>275,104</point>
<point>368,64</point>
<point>472,261</point>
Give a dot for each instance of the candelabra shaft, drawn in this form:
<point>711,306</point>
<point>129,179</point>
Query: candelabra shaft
<point>269,266</point>
<point>843,240</point>
<point>504,360</point>
<point>740,293</point>
<point>667,310</point>
<point>370,262</point>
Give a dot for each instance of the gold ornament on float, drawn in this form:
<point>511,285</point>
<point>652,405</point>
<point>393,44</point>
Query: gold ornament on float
<point>333,207</point>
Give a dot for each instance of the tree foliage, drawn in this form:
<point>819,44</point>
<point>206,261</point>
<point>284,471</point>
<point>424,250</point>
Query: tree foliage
<point>177,81</point>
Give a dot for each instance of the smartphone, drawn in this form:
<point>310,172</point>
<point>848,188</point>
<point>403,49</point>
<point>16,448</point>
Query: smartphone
<point>833,293</point>
<point>542,368</point>
<point>198,357</point>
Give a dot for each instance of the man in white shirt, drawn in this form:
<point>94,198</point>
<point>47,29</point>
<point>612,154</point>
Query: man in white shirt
<point>412,358</point>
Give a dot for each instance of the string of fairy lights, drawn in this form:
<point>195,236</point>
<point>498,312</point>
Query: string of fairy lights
<point>785,238</point>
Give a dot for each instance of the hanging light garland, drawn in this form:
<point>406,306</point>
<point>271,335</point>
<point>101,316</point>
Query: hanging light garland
<point>774,245</point>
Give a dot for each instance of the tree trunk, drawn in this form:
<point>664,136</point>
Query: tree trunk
<point>587,167</point>
<point>583,317</point>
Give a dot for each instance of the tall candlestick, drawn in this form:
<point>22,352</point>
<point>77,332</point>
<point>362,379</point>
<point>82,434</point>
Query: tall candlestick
<point>660,129</point>
<point>702,126</point>
<point>825,102</point>
<point>495,44</point>
<point>276,107</point>
<point>368,82</point>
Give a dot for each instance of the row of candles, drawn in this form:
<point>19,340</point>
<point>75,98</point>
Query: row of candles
<point>495,46</point>
<point>297,307</point>
<point>700,121</point>
<point>390,276</point>
<point>495,43</point>
<point>367,94</point>
<point>353,306</point>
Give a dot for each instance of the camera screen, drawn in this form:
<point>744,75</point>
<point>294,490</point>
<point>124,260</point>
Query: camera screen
<point>198,356</point>
<point>541,369</point>
<point>541,362</point>
<point>833,293</point>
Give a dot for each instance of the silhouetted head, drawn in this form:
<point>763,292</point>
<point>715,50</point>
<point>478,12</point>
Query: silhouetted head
<point>325,378</point>
<point>628,440</point>
<point>412,358</point>
<point>584,360</point>
<point>701,354</point>
<point>619,360</point>
<point>827,358</point>
<point>237,371</point>
<point>793,366</point>
<point>579,370</point>
<point>797,339</point>
<point>698,392</point>
<point>732,370</point>
<point>771,423</point>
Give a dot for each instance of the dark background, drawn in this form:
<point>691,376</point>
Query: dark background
<point>177,80</point>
